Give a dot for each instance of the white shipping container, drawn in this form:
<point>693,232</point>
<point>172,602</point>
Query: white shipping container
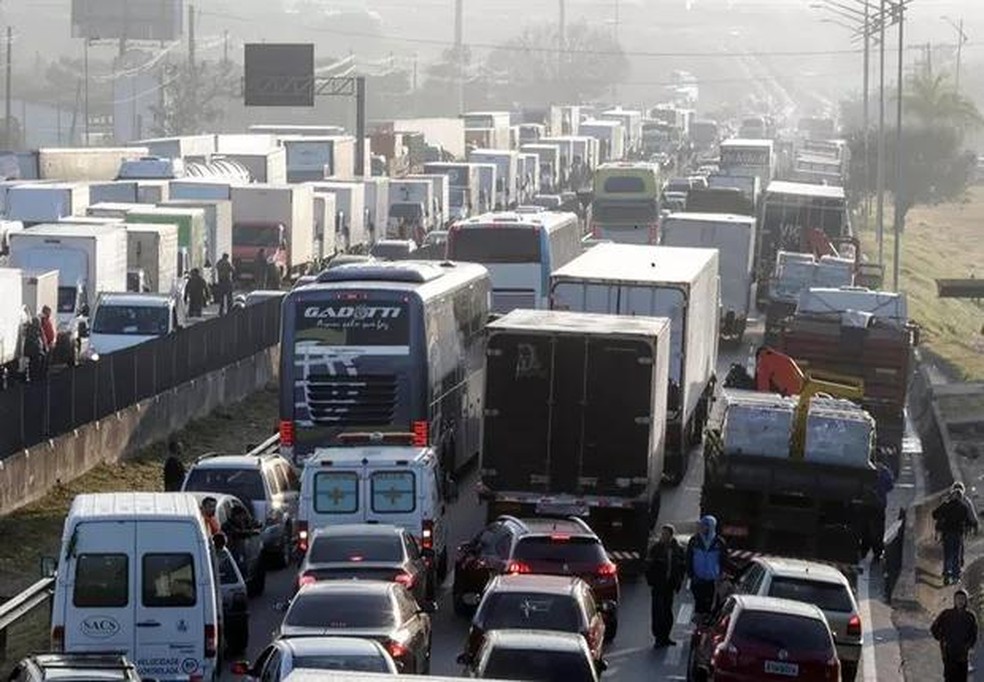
<point>350,206</point>
<point>325,225</point>
<point>289,205</point>
<point>152,191</point>
<point>44,203</point>
<point>203,189</point>
<point>11,315</point>
<point>85,164</point>
<point>40,289</point>
<point>218,223</point>
<point>153,248</point>
<point>268,166</point>
<point>120,191</point>
<point>179,147</point>
<point>310,159</point>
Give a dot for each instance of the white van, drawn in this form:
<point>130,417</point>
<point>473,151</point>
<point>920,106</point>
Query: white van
<point>393,484</point>
<point>136,575</point>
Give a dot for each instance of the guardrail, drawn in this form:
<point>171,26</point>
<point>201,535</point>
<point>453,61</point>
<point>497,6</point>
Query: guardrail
<point>20,606</point>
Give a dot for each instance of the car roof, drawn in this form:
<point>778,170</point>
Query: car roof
<point>329,587</point>
<point>549,526</point>
<point>344,646</point>
<point>231,461</point>
<point>84,667</point>
<point>347,529</point>
<point>749,602</point>
<point>135,300</point>
<point>799,568</point>
<point>536,639</point>
<point>558,584</point>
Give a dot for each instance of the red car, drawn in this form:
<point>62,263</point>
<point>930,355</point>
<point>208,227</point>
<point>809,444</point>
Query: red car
<point>537,602</point>
<point>764,639</point>
<point>539,546</point>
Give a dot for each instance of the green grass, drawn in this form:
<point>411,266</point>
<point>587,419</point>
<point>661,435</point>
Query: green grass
<point>35,531</point>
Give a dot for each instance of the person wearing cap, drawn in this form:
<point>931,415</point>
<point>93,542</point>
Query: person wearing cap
<point>707,559</point>
<point>956,631</point>
<point>954,518</point>
<point>665,571</point>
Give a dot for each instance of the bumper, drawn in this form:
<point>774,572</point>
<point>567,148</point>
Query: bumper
<point>848,653</point>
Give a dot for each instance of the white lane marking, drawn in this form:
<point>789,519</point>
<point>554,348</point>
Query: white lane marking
<point>869,669</point>
<point>685,613</point>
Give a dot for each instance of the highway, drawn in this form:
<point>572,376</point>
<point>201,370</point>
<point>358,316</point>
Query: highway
<point>631,657</point>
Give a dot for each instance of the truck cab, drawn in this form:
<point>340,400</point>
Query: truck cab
<point>249,238</point>
<point>122,320</point>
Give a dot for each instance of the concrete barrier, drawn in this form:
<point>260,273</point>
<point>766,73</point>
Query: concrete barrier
<point>29,475</point>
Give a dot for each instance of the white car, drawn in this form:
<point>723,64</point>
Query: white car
<point>122,320</point>
<point>283,656</point>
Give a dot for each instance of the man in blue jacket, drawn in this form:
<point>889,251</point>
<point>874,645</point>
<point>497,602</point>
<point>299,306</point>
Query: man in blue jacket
<point>707,558</point>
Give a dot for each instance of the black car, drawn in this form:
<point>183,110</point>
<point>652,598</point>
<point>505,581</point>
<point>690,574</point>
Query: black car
<point>367,551</point>
<point>243,538</point>
<point>535,655</point>
<point>78,666</point>
<point>370,609</point>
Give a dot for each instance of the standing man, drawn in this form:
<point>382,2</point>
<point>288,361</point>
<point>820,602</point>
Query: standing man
<point>225,273</point>
<point>50,337</point>
<point>956,631</point>
<point>954,519</point>
<point>665,571</point>
<point>883,486</point>
<point>260,264</point>
<point>707,557</point>
<point>196,293</point>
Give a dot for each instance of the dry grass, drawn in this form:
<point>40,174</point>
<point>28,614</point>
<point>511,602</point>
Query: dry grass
<point>945,241</point>
<point>35,531</point>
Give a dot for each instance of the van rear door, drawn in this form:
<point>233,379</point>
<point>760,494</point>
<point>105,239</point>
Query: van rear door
<point>171,594</point>
<point>99,591</point>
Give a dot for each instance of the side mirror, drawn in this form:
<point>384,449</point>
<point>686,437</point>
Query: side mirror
<point>463,659</point>
<point>49,565</point>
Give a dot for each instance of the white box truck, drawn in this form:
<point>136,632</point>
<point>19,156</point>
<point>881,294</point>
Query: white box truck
<point>487,181</point>
<point>611,139</point>
<point>463,187</point>
<point>116,191</point>
<point>310,159</point>
<point>210,190</point>
<point>85,164</point>
<point>411,209</point>
<point>89,259</point>
<point>442,197</point>
<point>507,177</point>
<point>734,238</point>
<point>267,166</point>
<point>11,322</point>
<point>179,147</point>
<point>657,281</point>
<point>46,203</point>
<point>277,219</point>
<point>325,226</point>
<point>218,224</point>
<point>39,289</point>
<point>350,209</point>
<point>152,256</point>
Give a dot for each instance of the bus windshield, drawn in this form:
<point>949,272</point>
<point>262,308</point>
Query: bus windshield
<point>624,211</point>
<point>495,245</point>
<point>340,324</point>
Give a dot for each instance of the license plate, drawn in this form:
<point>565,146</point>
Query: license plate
<point>784,669</point>
<point>561,509</point>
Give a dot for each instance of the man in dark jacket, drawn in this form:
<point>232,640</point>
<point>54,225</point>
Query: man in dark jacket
<point>954,519</point>
<point>224,274</point>
<point>196,293</point>
<point>707,559</point>
<point>665,571</point>
<point>956,631</point>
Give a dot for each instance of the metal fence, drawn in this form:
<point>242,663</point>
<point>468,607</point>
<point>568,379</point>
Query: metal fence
<point>34,412</point>
<point>25,620</point>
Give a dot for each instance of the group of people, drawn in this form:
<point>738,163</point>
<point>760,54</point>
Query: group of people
<point>39,340</point>
<point>197,291</point>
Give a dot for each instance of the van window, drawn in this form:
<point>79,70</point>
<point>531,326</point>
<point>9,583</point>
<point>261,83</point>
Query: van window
<point>394,492</point>
<point>168,580</point>
<point>101,581</point>
<point>336,492</point>
<point>624,184</point>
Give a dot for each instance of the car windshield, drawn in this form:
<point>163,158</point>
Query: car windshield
<point>560,550</point>
<point>531,611</point>
<point>826,596</point>
<point>246,484</point>
<point>538,665</point>
<point>356,663</point>
<point>783,631</point>
<point>256,235</point>
<point>137,320</point>
<point>355,548</point>
<point>335,611</point>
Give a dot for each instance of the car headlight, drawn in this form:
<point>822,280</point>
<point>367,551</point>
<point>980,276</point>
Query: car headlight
<point>90,355</point>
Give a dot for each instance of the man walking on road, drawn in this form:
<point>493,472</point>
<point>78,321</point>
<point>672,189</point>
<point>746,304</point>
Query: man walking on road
<point>196,293</point>
<point>956,631</point>
<point>707,556</point>
<point>954,519</point>
<point>883,486</point>
<point>225,273</point>
<point>665,571</point>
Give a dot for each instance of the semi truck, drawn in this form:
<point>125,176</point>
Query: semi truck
<point>350,211</point>
<point>575,419</point>
<point>46,202</point>
<point>657,281</point>
<point>734,238</point>
<point>89,259</point>
<point>507,177</point>
<point>487,129</point>
<point>152,256</point>
<point>192,233</point>
<point>310,159</point>
<point>277,219</point>
<point>411,209</point>
<point>749,158</point>
<point>218,224</point>
<point>463,187</point>
<point>794,274</point>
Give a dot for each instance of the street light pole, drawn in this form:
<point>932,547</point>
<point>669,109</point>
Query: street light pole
<point>867,123</point>
<point>899,184</point>
<point>880,172</point>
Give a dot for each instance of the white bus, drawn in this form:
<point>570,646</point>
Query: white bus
<point>520,251</point>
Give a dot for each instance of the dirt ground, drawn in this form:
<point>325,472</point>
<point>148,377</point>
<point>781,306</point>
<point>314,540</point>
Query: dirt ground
<point>944,241</point>
<point>35,531</point>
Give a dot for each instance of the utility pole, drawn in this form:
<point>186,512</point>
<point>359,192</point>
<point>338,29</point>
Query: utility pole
<point>85,100</point>
<point>961,39</point>
<point>225,49</point>
<point>561,38</point>
<point>459,53</point>
<point>192,63</point>
<point>880,203</point>
<point>7,97</point>
<point>899,179</point>
<point>866,186</point>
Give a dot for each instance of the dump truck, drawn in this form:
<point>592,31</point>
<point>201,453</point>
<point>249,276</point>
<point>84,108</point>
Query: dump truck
<point>574,421</point>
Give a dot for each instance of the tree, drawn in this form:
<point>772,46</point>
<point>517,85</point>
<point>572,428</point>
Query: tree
<point>192,99</point>
<point>933,101</point>
<point>530,70</point>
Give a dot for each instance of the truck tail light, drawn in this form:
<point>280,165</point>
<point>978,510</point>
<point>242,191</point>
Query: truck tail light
<point>396,650</point>
<point>286,433</point>
<point>302,536</point>
<point>854,626</point>
<point>421,434</point>
<point>607,570</point>
<point>427,534</point>
<point>211,641</point>
<point>58,638</point>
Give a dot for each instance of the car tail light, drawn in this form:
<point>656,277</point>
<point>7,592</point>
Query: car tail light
<point>406,580</point>
<point>302,536</point>
<point>286,432</point>
<point>515,567</point>
<point>305,580</point>
<point>854,626</point>
<point>427,534</point>
<point>211,641</point>
<point>395,649</point>
<point>560,537</point>
<point>607,570</point>
<point>58,638</point>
